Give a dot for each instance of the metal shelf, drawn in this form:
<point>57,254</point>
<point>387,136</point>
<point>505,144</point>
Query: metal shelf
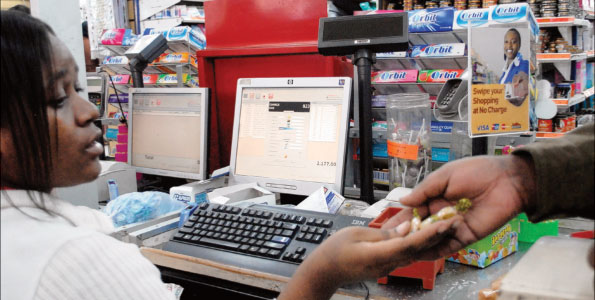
<point>455,36</point>
<point>562,22</point>
<point>560,57</point>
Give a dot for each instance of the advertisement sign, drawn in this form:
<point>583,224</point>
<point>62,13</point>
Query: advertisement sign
<point>500,104</point>
<point>476,17</point>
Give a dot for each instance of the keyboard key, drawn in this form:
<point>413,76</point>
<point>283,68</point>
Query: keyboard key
<point>186,230</point>
<point>239,232</point>
<point>300,236</point>
<point>263,251</point>
<point>201,219</point>
<point>253,234</point>
<point>194,239</point>
<point>253,249</point>
<point>223,236</point>
<point>274,245</point>
<point>221,222</point>
<point>218,243</point>
<point>236,210</point>
<point>259,213</point>
<point>237,239</point>
<point>263,222</point>
<point>193,218</point>
<point>228,217</point>
<point>321,231</point>
<point>210,234</point>
<point>256,228</point>
<point>249,220</point>
<point>312,229</point>
<point>318,222</point>
<point>218,229</point>
<point>260,236</point>
<point>270,223</point>
<point>267,237</point>
<point>202,232</point>
<point>242,226</point>
<point>308,237</point>
<point>292,218</point>
<point>227,224</point>
<point>245,240</point>
<point>211,227</point>
<point>252,241</point>
<point>243,219</point>
<point>277,216</point>
<point>259,243</point>
<point>234,225</point>
<point>232,231</point>
<point>203,205</point>
<point>248,227</point>
<point>295,257</point>
<point>225,230</point>
<point>202,213</point>
<point>278,224</point>
<point>300,250</point>
<point>300,219</point>
<point>216,235</point>
<point>278,231</point>
<point>317,238</point>
<point>281,239</point>
<point>209,214</point>
<point>246,233</point>
<point>215,215</point>
<point>187,237</point>
<point>231,238</point>
<point>271,230</point>
<point>244,248</point>
<point>327,223</point>
<point>311,221</point>
<point>305,228</point>
<point>262,229</point>
<point>274,253</point>
<point>178,236</point>
<point>235,218</point>
<point>196,231</point>
<point>287,256</point>
<point>267,215</point>
<point>289,226</point>
<point>287,232</point>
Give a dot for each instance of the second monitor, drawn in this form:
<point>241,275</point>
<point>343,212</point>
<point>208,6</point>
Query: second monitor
<point>289,134</point>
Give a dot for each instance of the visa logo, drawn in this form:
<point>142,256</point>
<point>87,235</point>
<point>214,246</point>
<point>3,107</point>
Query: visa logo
<point>393,75</point>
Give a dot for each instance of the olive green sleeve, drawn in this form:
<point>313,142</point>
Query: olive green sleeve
<point>564,175</point>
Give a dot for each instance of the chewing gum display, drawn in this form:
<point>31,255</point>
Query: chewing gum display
<point>437,50</point>
<point>118,37</point>
<point>391,54</point>
<point>172,80</point>
<point>508,13</point>
<point>150,79</point>
<point>431,19</point>
<point>188,35</point>
<point>438,75</point>
<point>394,76</point>
<point>478,17</point>
<point>118,64</point>
<point>121,79</point>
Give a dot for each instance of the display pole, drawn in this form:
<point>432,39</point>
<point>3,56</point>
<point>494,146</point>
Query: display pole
<point>136,69</point>
<point>364,59</point>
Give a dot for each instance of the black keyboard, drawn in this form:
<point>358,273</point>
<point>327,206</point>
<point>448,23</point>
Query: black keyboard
<point>263,238</point>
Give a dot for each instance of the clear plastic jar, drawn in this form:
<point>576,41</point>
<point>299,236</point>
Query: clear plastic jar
<point>408,139</point>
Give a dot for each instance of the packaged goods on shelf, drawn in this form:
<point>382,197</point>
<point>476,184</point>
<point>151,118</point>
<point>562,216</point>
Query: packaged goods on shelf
<point>475,17</point>
<point>394,76</point>
<point>182,38</point>
<point>501,243</point>
<point>391,54</point>
<point>118,64</point>
<point>118,40</point>
<point>437,50</point>
<point>431,20</point>
<point>150,79</point>
<point>439,75</point>
<point>172,80</point>
<point>121,79</point>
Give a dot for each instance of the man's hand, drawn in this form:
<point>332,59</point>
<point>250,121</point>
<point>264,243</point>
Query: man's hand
<point>499,189</point>
<point>356,253</point>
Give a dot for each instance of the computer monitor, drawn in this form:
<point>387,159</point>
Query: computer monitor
<point>167,131</point>
<point>289,134</point>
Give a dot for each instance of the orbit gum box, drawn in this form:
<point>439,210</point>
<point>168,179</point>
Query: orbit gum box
<point>494,247</point>
<point>438,75</point>
<point>394,76</point>
<point>475,17</point>
<point>437,50</point>
<point>118,64</point>
<point>431,19</point>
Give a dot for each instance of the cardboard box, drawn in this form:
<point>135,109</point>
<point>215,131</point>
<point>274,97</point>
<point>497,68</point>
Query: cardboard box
<point>499,244</point>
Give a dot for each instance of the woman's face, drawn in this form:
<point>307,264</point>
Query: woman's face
<point>512,44</point>
<point>75,159</point>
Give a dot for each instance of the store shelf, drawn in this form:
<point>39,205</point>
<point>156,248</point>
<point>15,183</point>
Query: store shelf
<point>548,135</point>
<point>432,88</point>
<point>562,22</point>
<point>560,57</point>
<point>426,63</point>
<point>455,36</point>
<point>565,103</point>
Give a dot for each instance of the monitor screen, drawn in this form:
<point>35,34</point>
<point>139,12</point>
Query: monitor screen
<point>167,132</point>
<point>288,135</point>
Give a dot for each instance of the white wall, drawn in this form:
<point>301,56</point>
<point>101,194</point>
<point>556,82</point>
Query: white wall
<point>65,18</point>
